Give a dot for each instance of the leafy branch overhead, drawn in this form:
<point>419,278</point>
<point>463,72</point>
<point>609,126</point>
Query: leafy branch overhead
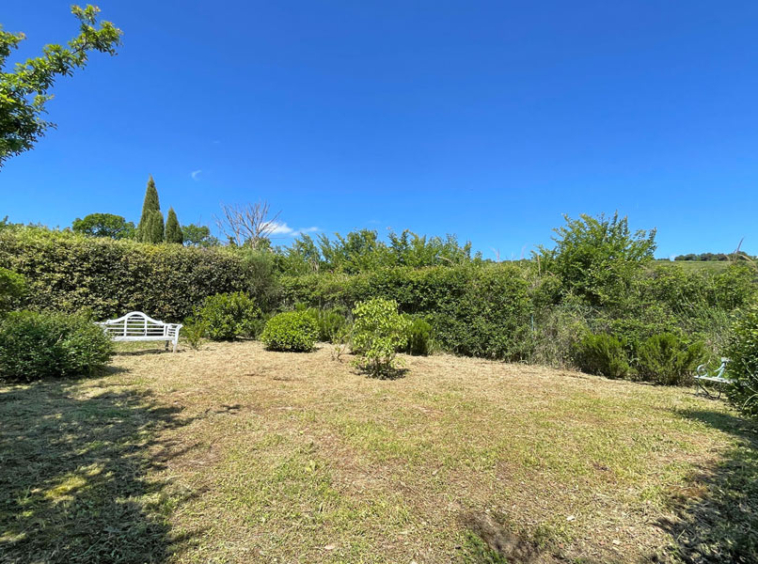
<point>25,90</point>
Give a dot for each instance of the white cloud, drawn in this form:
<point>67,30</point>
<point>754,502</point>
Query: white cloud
<point>195,173</point>
<point>281,229</point>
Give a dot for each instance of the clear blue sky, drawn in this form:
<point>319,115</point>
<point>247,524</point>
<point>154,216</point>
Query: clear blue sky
<point>485,119</point>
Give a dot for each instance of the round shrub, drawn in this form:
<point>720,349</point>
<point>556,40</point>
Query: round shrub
<point>50,345</point>
<point>228,316</point>
<point>291,331</point>
<point>603,355</point>
<point>666,359</point>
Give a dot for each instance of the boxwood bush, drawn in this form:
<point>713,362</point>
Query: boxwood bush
<point>291,331</point>
<point>50,345</point>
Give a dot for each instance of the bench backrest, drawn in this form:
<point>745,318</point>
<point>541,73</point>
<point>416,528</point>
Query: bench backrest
<point>137,324</point>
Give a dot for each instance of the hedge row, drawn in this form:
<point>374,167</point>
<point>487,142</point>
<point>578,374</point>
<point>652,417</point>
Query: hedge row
<point>69,272</point>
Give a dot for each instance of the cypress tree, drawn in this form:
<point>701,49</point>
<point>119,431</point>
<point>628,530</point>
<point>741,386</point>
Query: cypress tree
<point>153,229</point>
<point>173,229</point>
<point>150,205</point>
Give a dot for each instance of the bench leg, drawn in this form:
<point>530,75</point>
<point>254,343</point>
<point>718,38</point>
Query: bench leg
<point>176,344</point>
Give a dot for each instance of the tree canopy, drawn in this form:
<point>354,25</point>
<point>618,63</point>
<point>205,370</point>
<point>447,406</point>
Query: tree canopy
<point>104,225</point>
<point>25,90</point>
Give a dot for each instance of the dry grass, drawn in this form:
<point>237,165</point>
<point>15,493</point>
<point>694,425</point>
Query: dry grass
<point>261,456</point>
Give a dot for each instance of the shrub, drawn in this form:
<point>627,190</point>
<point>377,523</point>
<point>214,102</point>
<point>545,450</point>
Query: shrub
<point>291,331</point>
<point>330,324</point>
<point>379,330</point>
<point>603,355</point>
<point>228,316</point>
<point>41,345</point>
<point>743,368</point>
<point>12,288</point>
<point>194,331</point>
<point>418,335</point>
<point>667,359</point>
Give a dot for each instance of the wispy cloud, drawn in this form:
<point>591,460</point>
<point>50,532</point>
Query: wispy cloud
<point>195,174</point>
<point>281,229</point>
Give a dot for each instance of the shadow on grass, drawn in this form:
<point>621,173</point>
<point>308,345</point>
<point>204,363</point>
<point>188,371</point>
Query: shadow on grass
<point>73,485</point>
<point>718,518</point>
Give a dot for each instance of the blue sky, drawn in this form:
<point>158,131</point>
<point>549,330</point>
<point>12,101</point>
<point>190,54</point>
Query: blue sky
<point>485,119</point>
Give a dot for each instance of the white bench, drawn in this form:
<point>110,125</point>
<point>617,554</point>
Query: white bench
<point>702,375</point>
<point>136,326</point>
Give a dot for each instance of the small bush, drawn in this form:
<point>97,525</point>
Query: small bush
<point>194,331</point>
<point>330,324</point>
<point>291,331</point>
<point>228,316</point>
<point>379,330</point>
<point>603,355</point>
<point>50,345</point>
<point>667,359</point>
<point>418,336</point>
<point>743,368</point>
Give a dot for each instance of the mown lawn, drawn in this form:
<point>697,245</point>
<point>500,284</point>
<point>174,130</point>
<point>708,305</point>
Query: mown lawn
<point>236,454</point>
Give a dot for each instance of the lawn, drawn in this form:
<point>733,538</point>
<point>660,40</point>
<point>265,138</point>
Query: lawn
<point>235,454</point>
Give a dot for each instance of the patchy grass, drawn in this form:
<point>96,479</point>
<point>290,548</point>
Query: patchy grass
<point>237,454</point>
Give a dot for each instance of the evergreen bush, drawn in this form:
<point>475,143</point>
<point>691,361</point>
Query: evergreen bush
<point>225,317</point>
<point>295,331</point>
<point>667,359</point>
<point>50,345</point>
<point>603,355</point>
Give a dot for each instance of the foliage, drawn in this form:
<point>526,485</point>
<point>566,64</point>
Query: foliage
<point>41,345</point>
<point>363,251</point>
<point>743,367</point>
<point>378,332</point>
<point>194,330</point>
<point>173,230</point>
<point>291,331</point>
<point>12,288</point>
<point>330,323</point>
<point>198,236</point>
<point>603,355</point>
<point>146,229</point>
<point>597,258</point>
<point>104,225</point>
<point>228,316</point>
<point>418,337</point>
<point>667,359</point>
<point>24,91</point>
<point>260,276</point>
<point>68,272</point>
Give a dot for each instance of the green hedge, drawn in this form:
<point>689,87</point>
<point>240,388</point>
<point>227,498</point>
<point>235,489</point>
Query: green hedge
<point>474,310</point>
<point>69,272</point>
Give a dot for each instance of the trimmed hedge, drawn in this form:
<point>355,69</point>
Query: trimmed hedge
<point>70,272</point>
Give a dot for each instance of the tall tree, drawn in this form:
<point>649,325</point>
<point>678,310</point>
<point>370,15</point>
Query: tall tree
<point>153,231</point>
<point>150,205</point>
<point>24,91</point>
<point>104,225</point>
<point>173,230</point>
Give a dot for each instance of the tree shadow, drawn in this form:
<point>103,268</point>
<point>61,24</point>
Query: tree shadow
<point>73,481</point>
<point>717,517</point>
